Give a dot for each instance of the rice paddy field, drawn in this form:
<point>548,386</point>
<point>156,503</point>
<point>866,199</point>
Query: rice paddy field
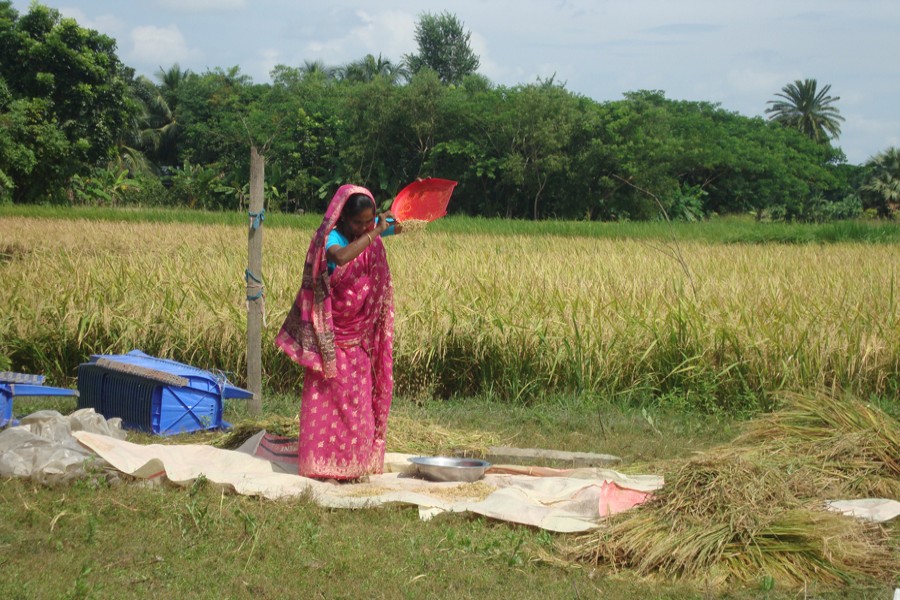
<point>755,366</point>
<point>631,316</point>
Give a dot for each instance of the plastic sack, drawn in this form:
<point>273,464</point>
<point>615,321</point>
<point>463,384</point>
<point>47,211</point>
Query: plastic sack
<point>42,448</point>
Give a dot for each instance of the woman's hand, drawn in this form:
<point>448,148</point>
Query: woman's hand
<point>385,220</point>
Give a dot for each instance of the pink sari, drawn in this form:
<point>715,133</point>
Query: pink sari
<point>340,328</point>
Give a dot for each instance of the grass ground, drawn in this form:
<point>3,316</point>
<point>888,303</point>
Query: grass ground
<point>98,540</point>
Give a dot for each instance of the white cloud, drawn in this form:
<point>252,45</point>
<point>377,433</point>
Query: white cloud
<point>262,66</point>
<point>389,33</point>
<point>488,67</point>
<point>160,46</point>
<point>105,24</point>
<point>203,5</point>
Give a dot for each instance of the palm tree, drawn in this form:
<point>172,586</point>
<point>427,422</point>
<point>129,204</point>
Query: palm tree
<point>805,109</point>
<point>170,80</point>
<point>163,108</point>
<point>881,190</point>
<point>368,68</point>
<point>138,136</point>
<point>316,69</point>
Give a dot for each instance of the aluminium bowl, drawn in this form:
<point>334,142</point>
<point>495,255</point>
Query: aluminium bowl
<point>444,468</point>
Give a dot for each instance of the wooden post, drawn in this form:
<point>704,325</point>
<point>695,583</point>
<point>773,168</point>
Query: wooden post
<point>255,299</point>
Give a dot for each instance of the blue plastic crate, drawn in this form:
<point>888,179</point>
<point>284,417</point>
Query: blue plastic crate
<point>155,394</point>
<point>23,384</point>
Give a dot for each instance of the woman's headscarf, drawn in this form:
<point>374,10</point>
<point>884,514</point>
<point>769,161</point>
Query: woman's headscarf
<point>307,335</point>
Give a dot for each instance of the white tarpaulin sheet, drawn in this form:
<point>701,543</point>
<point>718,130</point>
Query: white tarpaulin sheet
<point>51,448</point>
<point>564,504</point>
<point>879,510</point>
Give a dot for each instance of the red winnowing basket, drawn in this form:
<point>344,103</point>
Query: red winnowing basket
<point>424,200</point>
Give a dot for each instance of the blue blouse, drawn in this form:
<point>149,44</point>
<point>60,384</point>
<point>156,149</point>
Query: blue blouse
<point>336,238</point>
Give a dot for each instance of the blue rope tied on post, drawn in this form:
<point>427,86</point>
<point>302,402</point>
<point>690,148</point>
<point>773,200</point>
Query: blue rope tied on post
<point>256,219</point>
<point>254,282</point>
<point>257,283</point>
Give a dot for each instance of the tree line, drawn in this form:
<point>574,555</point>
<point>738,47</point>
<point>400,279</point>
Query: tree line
<point>78,126</point>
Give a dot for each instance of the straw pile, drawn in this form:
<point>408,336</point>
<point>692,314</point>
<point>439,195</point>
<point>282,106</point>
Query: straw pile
<point>755,509</point>
<point>848,448</point>
<point>244,430</point>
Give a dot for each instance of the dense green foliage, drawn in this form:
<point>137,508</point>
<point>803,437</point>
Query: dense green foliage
<point>881,190</point>
<point>63,102</point>
<point>79,128</point>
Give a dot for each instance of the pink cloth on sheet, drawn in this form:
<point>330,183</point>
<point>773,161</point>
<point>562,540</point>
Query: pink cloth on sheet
<point>341,329</point>
<point>615,499</point>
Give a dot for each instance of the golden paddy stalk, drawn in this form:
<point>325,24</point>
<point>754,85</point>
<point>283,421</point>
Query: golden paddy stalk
<point>756,507</point>
<point>512,315</point>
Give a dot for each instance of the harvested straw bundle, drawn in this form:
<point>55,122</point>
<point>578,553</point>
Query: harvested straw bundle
<point>755,508</point>
<point>241,432</point>
<point>851,448</point>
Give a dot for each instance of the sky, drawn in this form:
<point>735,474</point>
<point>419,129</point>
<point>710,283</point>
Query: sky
<point>737,53</point>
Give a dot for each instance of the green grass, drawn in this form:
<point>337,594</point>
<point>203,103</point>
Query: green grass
<point>157,215</point>
<point>733,229</point>
<point>130,542</point>
<point>640,436</point>
<point>96,540</point>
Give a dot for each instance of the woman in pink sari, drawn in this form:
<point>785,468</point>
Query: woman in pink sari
<point>340,328</point>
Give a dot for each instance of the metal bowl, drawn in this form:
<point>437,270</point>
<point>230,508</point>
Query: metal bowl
<point>444,468</point>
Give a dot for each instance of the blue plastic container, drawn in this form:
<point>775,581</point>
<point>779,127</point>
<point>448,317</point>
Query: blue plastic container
<point>155,394</point>
<point>23,384</point>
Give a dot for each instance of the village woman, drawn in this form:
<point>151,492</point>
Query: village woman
<point>340,328</point>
